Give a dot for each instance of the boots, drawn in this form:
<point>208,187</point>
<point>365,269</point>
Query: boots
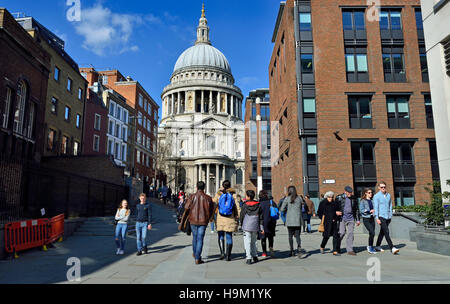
<point>222,249</point>
<point>229,247</point>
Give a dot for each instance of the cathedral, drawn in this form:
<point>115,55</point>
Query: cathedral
<point>202,134</point>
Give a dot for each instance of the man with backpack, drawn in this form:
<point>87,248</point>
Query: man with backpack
<point>201,209</point>
<point>227,218</point>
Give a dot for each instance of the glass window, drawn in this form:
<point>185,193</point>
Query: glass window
<point>350,62</point>
<point>141,100</point>
<point>80,94</point>
<point>20,108</point>
<point>76,148</point>
<point>396,20</point>
<point>419,22</point>
<point>54,107</point>
<point>78,121</point>
<point>67,114</point>
<point>362,62</point>
<point>124,153</point>
<point>69,84</point>
<point>112,108</point>
<point>105,79</point>
<point>305,22</point>
<point>347,20</point>
<point>96,143</point>
<point>51,139</point>
<point>56,74</point>
<point>309,105</point>
<point>307,63</point>
<point>64,144</point>
<point>384,20</point>
<point>97,123</point>
<point>359,20</point>
<point>6,108</point>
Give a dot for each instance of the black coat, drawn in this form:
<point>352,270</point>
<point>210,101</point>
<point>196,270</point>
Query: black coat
<point>340,200</point>
<point>268,223</point>
<point>331,218</point>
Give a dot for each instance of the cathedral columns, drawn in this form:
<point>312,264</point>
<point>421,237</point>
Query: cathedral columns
<point>203,102</point>
<point>226,103</point>
<point>210,102</point>
<point>232,105</point>
<point>208,171</point>
<point>172,102</point>
<point>217,177</point>
<point>179,103</point>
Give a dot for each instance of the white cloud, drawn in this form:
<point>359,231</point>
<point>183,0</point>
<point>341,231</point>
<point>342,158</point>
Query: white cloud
<point>107,32</point>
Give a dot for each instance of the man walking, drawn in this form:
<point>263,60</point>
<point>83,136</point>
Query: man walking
<point>348,205</point>
<point>382,203</point>
<point>143,223</point>
<point>311,211</point>
<point>201,209</point>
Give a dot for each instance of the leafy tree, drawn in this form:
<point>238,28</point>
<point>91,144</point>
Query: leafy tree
<point>435,213</point>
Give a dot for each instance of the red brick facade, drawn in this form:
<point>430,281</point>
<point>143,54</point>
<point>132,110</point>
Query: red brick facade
<point>332,90</point>
<point>95,108</point>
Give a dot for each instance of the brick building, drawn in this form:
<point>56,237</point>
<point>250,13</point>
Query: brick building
<point>95,125</point>
<point>258,165</point>
<point>66,94</point>
<point>24,72</point>
<point>352,99</point>
<point>144,120</point>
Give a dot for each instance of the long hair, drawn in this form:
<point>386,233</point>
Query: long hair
<point>363,196</point>
<point>263,195</point>
<point>292,193</point>
<point>128,206</point>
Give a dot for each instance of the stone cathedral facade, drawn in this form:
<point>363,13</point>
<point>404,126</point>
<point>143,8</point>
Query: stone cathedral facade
<point>202,132</point>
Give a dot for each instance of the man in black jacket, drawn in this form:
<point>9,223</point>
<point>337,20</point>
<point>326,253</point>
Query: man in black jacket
<point>348,206</point>
<point>143,223</point>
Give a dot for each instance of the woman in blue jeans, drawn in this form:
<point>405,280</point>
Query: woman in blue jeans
<point>122,216</point>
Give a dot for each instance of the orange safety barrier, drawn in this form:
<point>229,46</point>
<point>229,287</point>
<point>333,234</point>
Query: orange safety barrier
<point>56,229</point>
<point>26,235</point>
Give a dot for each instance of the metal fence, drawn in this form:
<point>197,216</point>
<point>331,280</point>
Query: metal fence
<point>26,188</point>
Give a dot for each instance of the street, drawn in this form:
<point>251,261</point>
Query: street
<point>170,261</point>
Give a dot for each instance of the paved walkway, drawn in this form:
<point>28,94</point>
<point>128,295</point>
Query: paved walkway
<point>170,261</point>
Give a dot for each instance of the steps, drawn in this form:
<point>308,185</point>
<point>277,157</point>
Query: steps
<point>98,226</point>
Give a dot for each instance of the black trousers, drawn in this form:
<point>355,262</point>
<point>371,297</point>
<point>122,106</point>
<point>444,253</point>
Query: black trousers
<point>369,223</point>
<point>384,232</point>
<point>264,243</point>
<point>336,238</point>
<point>294,231</point>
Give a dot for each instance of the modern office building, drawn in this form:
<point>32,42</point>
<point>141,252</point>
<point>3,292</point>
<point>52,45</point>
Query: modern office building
<point>201,124</point>
<point>258,164</point>
<point>66,94</point>
<point>352,98</point>
<point>436,16</point>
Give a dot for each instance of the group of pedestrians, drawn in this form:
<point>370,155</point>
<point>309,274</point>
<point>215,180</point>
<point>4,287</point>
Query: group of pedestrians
<point>258,220</point>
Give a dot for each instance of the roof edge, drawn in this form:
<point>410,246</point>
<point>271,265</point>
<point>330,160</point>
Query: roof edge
<point>277,24</point>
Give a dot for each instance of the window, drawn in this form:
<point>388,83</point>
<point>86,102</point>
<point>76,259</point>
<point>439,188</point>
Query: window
<point>393,64</point>
<point>309,106</point>
<point>54,106</point>
<point>404,195</point>
<point>78,121</point>
<point>125,117</point>
<point>253,117</point>
<point>305,22</point>
<point>124,153</point>
<point>111,128</point>
<point>140,118</point>
<point>353,20</point>
<point>423,63</point>
<point>138,156</point>
<point>30,120</point>
<point>239,177</point>
<point>312,152</point>
<point>145,105</point>
<point>398,112</point>
<point>56,74</point>
<point>141,100</point>
<point>402,157</point>
<point>360,112</point>
<point>117,151</point>
<point>20,108</point>
<point>76,148</point>
<point>97,122</point>
<point>64,145</point>
<point>69,84</point>
<point>80,93</point>
<point>211,143</point>
<point>6,108</point>
<point>96,143</point>
<point>390,20</point>
<point>265,112</point>
<point>51,139</point>
<point>363,160</point>
<point>67,114</point>
<point>446,45</point>
<point>117,130</point>
<point>105,79</point>
<point>110,147</point>
<point>139,137</point>
<point>124,133</point>
<point>429,112</point>
<point>356,64</point>
<point>419,22</point>
<point>112,108</point>
<point>148,143</point>
<point>307,63</point>
<point>434,161</point>
<point>119,112</point>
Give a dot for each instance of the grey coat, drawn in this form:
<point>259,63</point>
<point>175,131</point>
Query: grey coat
<point>293,211</point>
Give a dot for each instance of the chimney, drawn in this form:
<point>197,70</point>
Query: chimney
<point>129,78</point>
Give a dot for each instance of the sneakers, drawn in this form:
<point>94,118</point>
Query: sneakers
<point>249,262</point>
<point>121,252</point>
<point>371,250</point>
<point>322,250</point>
<point>139,253</point>
<point>336,253</point>
<point>271,252</point>
<point>264,255</point>
<point>300,252</point>
<point>255,260</point>
<point>212,231</point>
<point>352,253</point>
<point>395,250</point>
<point>118,251</point>
<point>379,249</point>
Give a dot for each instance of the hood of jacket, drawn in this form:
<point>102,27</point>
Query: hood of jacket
<point>252,206</point>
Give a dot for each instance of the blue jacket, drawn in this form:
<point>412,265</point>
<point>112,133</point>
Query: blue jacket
<point>382,205</point>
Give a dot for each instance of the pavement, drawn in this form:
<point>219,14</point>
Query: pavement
<point>170,261</point>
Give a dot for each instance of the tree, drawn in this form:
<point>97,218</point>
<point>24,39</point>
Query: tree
<point>435,213</point>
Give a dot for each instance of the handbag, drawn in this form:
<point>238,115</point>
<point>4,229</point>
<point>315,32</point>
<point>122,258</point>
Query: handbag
<point>321,226</point>
<point>116,222</point>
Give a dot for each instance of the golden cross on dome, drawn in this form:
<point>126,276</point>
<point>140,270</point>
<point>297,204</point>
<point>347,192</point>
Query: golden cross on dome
<point>203,10</point>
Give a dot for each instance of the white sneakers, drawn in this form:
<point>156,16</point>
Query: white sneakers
<point>395,250</point>
<point>379,249</point>
<point>120,252</point>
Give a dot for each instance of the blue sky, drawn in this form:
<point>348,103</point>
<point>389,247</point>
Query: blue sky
<point>143,39</point>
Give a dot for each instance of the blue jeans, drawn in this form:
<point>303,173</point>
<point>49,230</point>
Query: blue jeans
<point>198,234</point>
<point>141,235</point>
<point>229,235</point>
<point>309,222</point>
<point>121,235</point>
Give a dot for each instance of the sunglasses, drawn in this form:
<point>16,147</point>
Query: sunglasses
<point>370,192</point>
<point>382,187</point>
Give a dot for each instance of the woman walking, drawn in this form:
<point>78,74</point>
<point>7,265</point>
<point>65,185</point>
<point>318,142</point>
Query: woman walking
<point>252,223</point>
<point>367,213</point>
<point>292,205</point>
<point>329,211</point>
<point>122,215</point>
<point>268,222</point>
<point>226,224</point>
